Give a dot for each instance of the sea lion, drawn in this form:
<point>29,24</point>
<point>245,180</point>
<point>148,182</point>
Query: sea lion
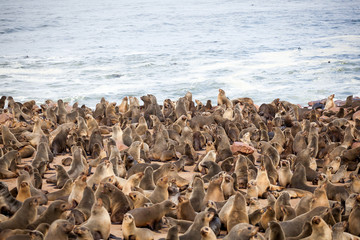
<point>181,225</point>
<point>132,182</point>
<point>23,217</point>
<point>58,144</point>
<point>129,229</point>
<point>151,216</point>
<point>99,222</point>
<point>214,191</point>
<point>320,197</point>
<point>172,233</point>
<point>59,229</point>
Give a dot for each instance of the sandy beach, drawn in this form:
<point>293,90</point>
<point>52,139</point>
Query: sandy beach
<point>183,119</point>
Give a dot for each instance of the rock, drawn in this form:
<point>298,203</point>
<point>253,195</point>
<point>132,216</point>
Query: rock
<point>356,115</point>
<point>4,117</point>
<point>355,145</point>
<point>240,147</point>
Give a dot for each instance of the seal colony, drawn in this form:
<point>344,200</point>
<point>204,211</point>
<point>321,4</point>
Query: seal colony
<point>181,170</point>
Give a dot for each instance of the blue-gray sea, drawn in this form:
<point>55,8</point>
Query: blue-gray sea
<point>297,50</point>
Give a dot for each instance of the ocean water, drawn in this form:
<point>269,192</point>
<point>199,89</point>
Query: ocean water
<point>297,50</point>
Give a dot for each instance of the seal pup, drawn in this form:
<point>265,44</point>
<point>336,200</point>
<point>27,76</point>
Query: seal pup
<point>23,217</point>
<point>63,192</point>
<point>59,229</point>
<point>354,217</point>
<point>151,216</point>
<point>238,212</point>
<point>83,233</point>
<point>276,232</point>
<point>207,234</point>
<point>51,214</point>
<point>320,230</point>
<point>129,229</point>
<point>99,222</point>
<point>202,219</point>
<point>119,203</point>
<point>222,99</point>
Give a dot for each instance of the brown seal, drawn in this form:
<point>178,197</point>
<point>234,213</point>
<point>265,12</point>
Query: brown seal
<point>23,217</point>
<point>59,229</point>
<point>129,229</point>
<point>151,216</point>
<point>99,222</point>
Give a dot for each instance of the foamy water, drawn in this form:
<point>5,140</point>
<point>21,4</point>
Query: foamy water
<point>80,51</point>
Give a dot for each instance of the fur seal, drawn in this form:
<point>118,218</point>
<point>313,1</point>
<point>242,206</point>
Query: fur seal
<point>138,199</point>
<point>276,232</point>
<point>298,179</point>
<point>6,161</point>
<point>23,217</point>
<point>51,214</point>
<point>59,229</point>
<point>129,229</point>
<point>285,173</point>
<point>63,192</point>
<point>354,217</point>
<point>23,192</point>
<point>147,182</point>
<point>294,226</point>
<point>151,216</point>
<point>222,99</point>
<point>238,212</point>
<point>202,219</point>
<point>61,176</point>
<point>207,234</point>
<point>82,233</point>
<point>197,195</point>
<point>99,222</point>
<point>82,211</point>
<point>119,203</point>
<point>185,211</point>
<point>337,193</point>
